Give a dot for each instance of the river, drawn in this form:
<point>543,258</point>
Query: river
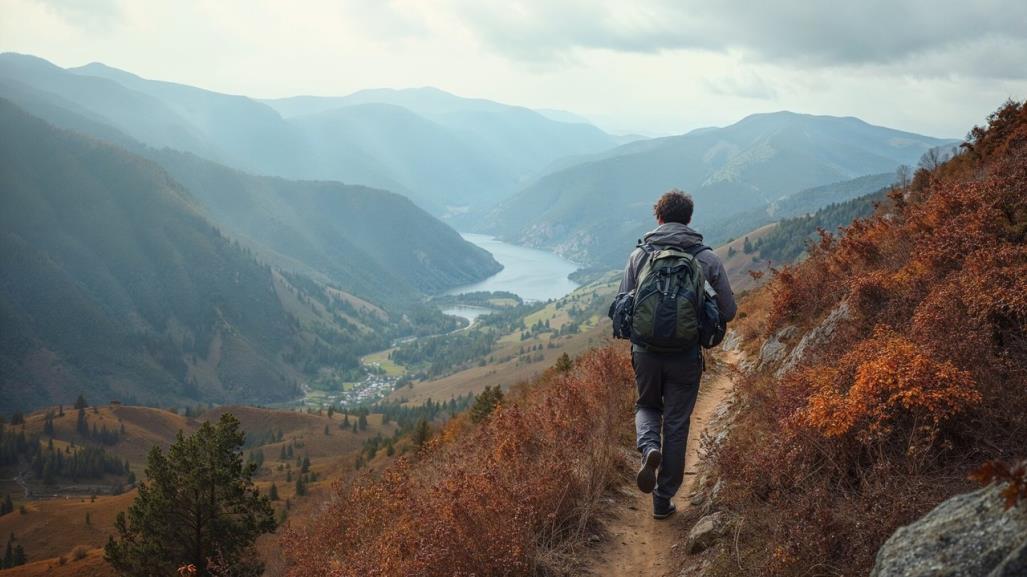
<point>532,274</point>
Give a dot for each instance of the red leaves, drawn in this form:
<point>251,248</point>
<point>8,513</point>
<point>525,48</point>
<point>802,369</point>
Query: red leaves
<point>885,383</point>
<point>490,499</point>
<point>1015,479</point>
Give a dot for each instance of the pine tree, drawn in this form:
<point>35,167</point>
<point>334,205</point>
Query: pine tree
<point>7,506</point>
<point>82,426</point>
<point>80,403</point>
<point>199,502</point>
<point>301,486</point>
<point>485,403</point>
<point>422,432</point>
<point>564,363</point>
<point>273,493</point>
<point>362,422</point>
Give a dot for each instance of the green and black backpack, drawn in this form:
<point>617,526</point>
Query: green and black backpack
<point>667,311</point>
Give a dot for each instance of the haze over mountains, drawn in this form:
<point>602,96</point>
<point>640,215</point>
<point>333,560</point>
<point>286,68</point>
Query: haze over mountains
<point>595,209</point>
<point>175,221</point>
<point>440,150</point>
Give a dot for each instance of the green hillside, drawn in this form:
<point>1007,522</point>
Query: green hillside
<point>374,243</point>
<point>114,283</point>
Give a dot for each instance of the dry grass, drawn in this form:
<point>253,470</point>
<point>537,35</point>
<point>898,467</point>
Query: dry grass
<point>918,387</point>
<point>505,498</point>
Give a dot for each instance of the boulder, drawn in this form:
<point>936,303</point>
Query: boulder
<point>705,532</point>
<point>969,535</point>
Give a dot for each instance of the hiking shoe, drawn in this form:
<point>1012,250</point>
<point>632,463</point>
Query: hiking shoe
<point>663,509</point>
<point>646,478</point>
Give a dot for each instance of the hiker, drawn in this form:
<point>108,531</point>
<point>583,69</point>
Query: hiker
<point>665,350</point>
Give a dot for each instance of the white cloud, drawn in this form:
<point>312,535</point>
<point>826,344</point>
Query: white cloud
<point>653,66</point>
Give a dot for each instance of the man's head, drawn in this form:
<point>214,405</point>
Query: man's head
<point>674,206</point>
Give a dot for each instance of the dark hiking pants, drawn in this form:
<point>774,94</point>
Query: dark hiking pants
<point>668,384</point>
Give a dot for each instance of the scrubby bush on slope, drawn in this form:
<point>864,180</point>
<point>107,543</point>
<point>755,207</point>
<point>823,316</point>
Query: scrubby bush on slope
<point>503,498</point>
<point>923,381</point>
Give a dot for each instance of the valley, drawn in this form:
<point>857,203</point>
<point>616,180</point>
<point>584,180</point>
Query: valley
<point>401,296</point>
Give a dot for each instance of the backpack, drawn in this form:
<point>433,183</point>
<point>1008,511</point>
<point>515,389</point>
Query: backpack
<point>672,307</point>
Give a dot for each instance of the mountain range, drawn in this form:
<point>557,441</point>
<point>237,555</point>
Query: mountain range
<point>448,154</point>
<point>122,281</point>
<point>594,209</point>
<point>211,242</point>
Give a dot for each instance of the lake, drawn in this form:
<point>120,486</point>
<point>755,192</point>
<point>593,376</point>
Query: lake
<point>532,274</point>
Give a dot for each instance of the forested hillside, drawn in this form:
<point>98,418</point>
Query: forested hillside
<point>116,284</point>
<point>595,210</point>
<point>892,366</point>
<point>376,244</point>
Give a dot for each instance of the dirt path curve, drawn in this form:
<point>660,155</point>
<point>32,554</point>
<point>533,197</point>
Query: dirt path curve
<point>638,545</point>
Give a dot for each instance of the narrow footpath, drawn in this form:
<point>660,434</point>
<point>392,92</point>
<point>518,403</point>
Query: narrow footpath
<point>638,545</point>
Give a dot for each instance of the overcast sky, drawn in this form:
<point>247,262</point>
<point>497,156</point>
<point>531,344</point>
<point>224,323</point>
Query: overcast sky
<point>651,66</point>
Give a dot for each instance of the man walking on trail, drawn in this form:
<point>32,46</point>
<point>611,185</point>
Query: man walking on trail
<point>667,379</point>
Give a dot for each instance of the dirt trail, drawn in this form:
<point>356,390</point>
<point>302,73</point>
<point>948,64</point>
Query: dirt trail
<point>638,545</point>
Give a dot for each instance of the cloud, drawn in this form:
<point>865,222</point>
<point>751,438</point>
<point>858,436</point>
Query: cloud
<point>743,84</point>
<point>985,38</point>
<point>96,15</point>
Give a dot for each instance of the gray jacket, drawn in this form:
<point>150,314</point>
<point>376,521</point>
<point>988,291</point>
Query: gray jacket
<point>681,236</point>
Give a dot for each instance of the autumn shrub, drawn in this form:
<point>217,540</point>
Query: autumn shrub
<point>507,497</point>
<point>919,385</point>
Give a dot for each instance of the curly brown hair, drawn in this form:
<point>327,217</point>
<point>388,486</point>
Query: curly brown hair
<point>674,206</point>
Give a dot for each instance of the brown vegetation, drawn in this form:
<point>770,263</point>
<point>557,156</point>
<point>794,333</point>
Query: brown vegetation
<point>504,498</point>
<point>921,384</point>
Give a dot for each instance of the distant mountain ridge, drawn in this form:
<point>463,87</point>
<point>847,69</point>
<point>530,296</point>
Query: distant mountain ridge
<point>447,153</point>
<point>594,210</point>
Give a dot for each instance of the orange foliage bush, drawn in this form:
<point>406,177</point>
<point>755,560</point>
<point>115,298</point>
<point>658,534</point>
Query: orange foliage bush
<point>882,383</point>
<point>499,499</point>
<point>923,382</point>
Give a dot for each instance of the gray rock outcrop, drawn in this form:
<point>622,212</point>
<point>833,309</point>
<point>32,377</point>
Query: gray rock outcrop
<point>969,535</point>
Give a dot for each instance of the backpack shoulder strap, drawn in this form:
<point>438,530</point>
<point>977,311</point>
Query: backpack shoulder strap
<point>647,248</point>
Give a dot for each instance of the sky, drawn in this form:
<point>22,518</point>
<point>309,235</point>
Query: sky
<point>651,67</point>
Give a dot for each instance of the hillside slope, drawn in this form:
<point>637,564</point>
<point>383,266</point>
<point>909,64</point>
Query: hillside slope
<point>885,368</point>
<point>115,284</point>
<point>347,234</point>
<point>593,210</point>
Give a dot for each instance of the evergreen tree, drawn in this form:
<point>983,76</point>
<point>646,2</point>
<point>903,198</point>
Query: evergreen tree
<point>80,403</point>
<point>198,503</point>
<point>486,402</point>
<point>82,426</point>
<point>422,432</point>
<point>7,506</point>
<point>301,486</point>
<point>273,493</point>
<point>362,422</point>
